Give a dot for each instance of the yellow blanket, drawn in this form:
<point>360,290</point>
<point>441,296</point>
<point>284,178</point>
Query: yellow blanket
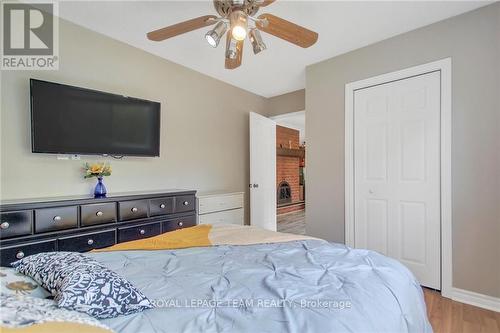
<point>206,235</point>
<point>56,327</point>
<point>178,239</point>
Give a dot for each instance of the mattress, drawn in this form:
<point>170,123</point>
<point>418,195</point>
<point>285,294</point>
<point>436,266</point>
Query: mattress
<point>302,285</point>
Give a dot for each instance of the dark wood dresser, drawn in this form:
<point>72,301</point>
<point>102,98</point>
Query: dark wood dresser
<point>84,223</point>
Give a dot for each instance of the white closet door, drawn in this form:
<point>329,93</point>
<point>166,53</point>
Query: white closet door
<point>397,173</point>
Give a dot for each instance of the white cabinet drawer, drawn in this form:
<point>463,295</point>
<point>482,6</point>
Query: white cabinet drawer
<point>209,204</point>
<point>234,216</point>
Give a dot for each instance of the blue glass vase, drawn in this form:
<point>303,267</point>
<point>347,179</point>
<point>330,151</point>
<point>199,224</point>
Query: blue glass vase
<point>100,189</point>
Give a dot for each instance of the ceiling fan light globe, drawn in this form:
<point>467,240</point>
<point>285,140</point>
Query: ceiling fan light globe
<point>239,23</point>
<point>213,36</point>
<point>256,40</point>
<point>211,40</point>
<point>239,32</point>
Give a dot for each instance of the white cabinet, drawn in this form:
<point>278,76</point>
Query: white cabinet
<point>221,208</point>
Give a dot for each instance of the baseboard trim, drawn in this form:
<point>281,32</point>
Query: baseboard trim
<point>476,299</point>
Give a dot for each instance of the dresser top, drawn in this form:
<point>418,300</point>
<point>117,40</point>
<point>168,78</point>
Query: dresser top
<point>89,199</point>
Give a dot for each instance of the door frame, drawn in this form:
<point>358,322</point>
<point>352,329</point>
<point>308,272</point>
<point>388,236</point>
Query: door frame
<point>444,67</point>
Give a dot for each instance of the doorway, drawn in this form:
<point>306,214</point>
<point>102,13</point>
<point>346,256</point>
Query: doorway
<point>398,146</point>
<point>290,171</point>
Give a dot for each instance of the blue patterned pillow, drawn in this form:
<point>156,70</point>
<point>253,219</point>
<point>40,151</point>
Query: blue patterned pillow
<point>49,268</point>
<point>80,283</point>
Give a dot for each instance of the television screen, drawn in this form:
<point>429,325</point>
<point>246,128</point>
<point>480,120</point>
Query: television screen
<point>72,120</point>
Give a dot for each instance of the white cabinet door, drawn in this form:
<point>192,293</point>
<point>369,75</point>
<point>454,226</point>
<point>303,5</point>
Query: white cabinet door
<point>262,172</point>
<point>397,173</point>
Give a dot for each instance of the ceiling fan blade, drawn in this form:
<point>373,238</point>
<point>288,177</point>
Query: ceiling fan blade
<point>232,63</point>
<point>266,3</point>
<point>180,28</point>
<point>286,30</point>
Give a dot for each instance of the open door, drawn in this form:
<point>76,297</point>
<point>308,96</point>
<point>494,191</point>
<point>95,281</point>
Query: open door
<point>262,172</point>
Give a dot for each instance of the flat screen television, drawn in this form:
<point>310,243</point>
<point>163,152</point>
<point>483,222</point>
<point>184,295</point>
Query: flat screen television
<point>72,120</point>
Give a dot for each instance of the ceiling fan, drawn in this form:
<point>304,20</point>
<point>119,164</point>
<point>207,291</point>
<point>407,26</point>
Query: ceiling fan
<point>238,16</point>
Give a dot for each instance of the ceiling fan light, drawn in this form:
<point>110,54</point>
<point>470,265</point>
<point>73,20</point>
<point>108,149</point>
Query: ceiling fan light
<point>239,25</point>
<point>213,36</point>
<point>232,49</point>
<point>256,40</point>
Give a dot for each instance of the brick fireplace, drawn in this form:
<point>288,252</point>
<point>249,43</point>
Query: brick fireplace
<point>287,170</point>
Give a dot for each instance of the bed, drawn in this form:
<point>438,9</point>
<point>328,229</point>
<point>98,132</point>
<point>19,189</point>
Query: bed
<point>251,280</point>
<point>230,278</point>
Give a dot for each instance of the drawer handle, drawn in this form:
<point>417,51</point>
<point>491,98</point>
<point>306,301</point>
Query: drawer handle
<point>134,210</point>
<point>99,213</point>
<point>90,241</point>
<point>20,255</point>
<point>162,206</point>
<point>142,231</point>
<point>180,224</point>
<point>185,203</point>
<point>57,218</point>
<point>4,225</point>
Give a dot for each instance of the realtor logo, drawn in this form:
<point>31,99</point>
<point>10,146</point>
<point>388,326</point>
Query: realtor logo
<point>30,36</point>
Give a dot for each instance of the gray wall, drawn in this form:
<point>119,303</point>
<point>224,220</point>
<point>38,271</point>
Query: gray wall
<point>204,127</point>
<point>473,42</point>
<point>286,103</point>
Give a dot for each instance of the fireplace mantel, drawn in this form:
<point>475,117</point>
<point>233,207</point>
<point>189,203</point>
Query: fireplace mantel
<point>299,153</point>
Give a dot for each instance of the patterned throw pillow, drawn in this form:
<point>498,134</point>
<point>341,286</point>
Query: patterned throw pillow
<point>82,284</point>
<point>14,283</point>
<point>21,311</point>
<point>49,268</point>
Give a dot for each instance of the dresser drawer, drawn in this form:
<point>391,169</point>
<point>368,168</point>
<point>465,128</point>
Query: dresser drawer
<point>98,213</point>
<point>130,210</point>
<point>184,203</point>
<point>234,216</point>
<point>217,203</point>
<point>179,223</point>
<point>50,219</point>
<point>12,253</point>
<point>87,242</point>
<point>138,232</point>
<point>161,206</point>
<point>16,223</point>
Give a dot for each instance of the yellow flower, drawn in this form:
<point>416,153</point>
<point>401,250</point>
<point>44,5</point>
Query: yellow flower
<point>96,168</point>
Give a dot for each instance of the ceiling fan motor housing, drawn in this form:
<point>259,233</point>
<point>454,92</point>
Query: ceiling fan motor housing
<point>225,7</point>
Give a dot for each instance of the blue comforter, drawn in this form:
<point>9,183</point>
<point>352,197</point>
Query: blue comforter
<point>301,286</point>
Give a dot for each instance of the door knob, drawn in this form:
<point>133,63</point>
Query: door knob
<point>370,191</point>
<point>254,185</point>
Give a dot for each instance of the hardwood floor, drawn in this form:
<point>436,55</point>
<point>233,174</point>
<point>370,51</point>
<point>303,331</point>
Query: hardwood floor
<point>293,223</point>
<point>447,316</point>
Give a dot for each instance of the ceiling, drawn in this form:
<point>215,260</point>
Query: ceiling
<point>342,27</point>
